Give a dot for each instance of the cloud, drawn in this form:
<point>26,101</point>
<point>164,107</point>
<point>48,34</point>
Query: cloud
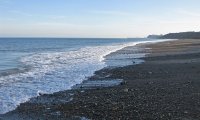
<point>21,13</point>
<point>188,13</point>
<point>5,2</point>
<point>113,13</point>
<point>26,14</point>
<point>56,17</point>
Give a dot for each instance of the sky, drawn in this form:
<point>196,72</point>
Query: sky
<point>97,18</point>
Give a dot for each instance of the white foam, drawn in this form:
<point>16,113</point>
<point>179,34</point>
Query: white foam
<point>53,72</point>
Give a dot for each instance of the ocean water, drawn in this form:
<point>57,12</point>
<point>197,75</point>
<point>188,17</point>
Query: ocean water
<point>29,66</point>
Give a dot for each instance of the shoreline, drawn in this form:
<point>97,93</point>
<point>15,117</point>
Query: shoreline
<point>83,66</point>
<point>104,60</point>
<point>93,85</point>
<point>152,90</point>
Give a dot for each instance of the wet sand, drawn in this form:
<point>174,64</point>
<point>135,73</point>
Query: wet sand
<point>165,86</point>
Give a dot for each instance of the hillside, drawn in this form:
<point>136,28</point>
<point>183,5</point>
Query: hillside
<point>181,35</point>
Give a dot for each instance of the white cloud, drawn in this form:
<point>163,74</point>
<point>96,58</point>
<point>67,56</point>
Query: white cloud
<point>55,17</point>
<point>21,13</point>
<point>115,13</point>
<point>5,1</point>
<point>188,13</point>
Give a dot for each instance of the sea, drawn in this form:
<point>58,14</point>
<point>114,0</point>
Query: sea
<point>30,66</point>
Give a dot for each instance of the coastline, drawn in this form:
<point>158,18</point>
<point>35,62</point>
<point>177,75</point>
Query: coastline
<point>165,86</point>
<point>50,72</point>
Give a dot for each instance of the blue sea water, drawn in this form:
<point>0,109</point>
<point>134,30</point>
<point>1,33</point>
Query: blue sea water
<point>29,66</point>
<point>11,49</point>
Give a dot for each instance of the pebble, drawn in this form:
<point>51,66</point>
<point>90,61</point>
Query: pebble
<point>126,90</point>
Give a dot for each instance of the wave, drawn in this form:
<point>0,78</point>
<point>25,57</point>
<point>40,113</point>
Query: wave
<point>52,72</point>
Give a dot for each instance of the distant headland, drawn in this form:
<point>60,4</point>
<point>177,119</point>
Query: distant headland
<point>180,35</point>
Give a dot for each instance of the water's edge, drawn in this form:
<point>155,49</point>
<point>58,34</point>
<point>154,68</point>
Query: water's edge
<point>108,58</point>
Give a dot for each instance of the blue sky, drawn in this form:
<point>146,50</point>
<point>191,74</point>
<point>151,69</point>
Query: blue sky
<point>97,18</point>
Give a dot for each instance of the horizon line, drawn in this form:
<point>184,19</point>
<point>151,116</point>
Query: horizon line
<point>80,37</point>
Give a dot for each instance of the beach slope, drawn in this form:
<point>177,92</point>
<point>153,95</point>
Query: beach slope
<point>165,86</point>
